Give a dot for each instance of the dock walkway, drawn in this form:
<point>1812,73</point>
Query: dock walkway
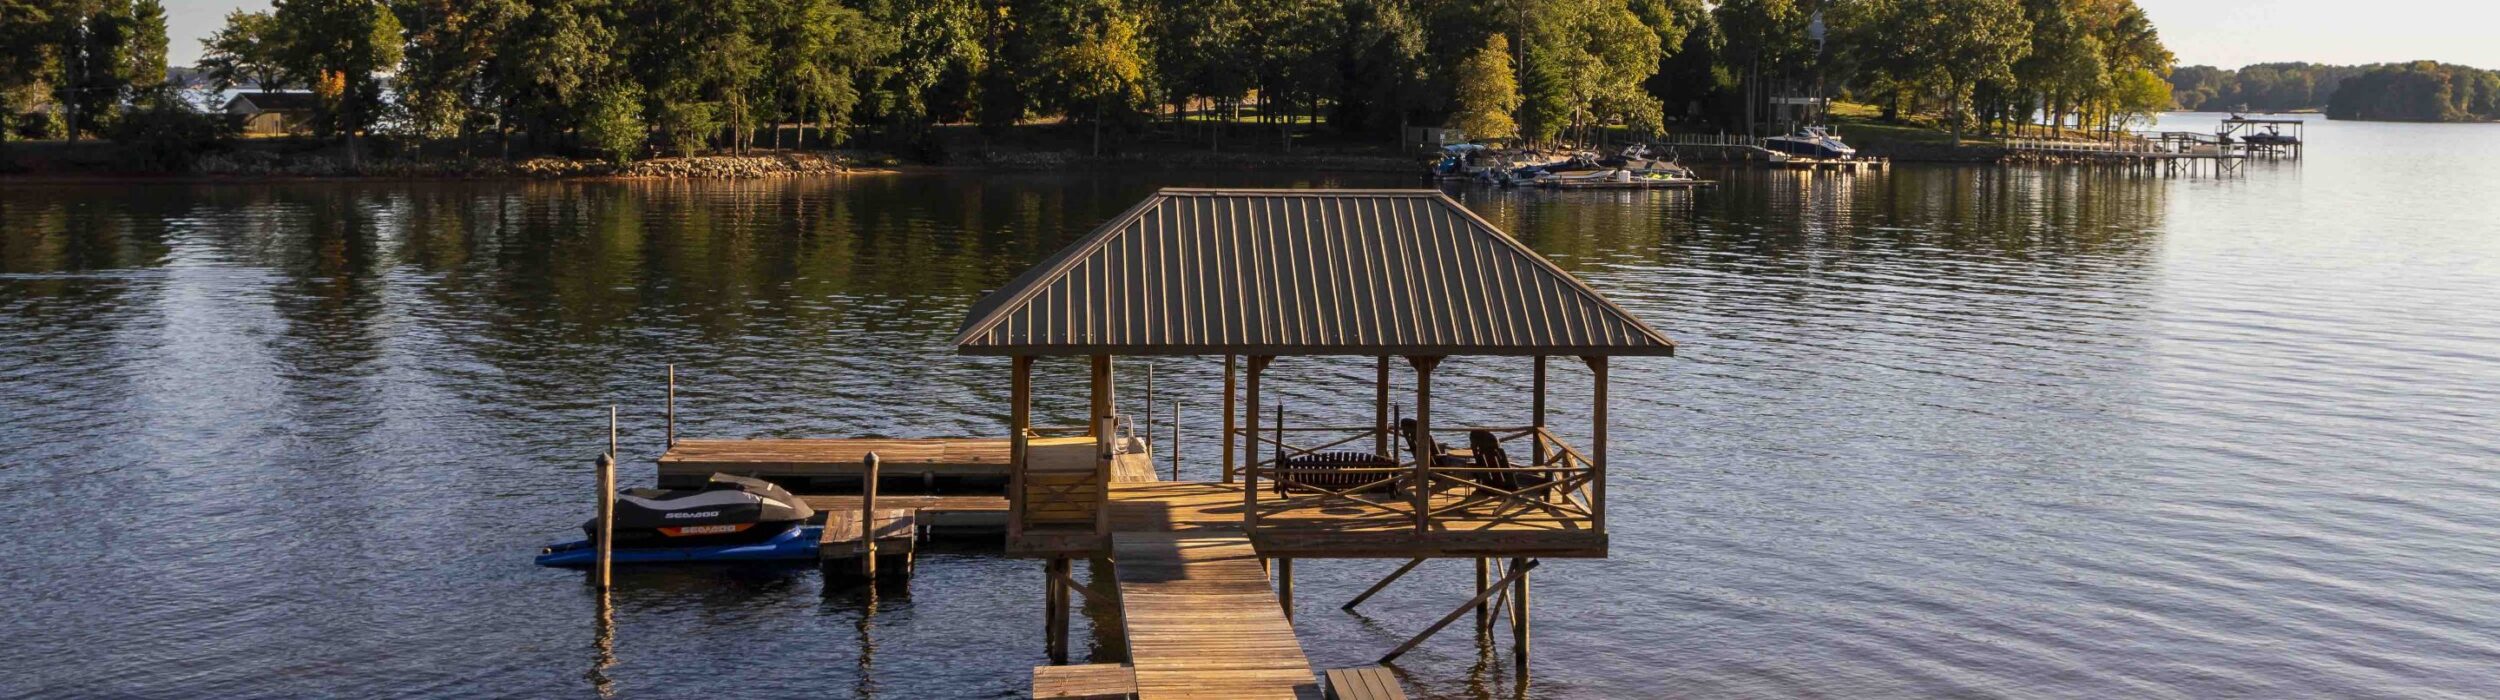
<point>1202,620</point>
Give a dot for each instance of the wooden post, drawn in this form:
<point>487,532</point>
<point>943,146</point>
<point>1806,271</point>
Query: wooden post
<point>607,519</point>
<point>1484,609</point>
<point>1228,418</point>
<point>1537,413</point>
<point>1176,439</point>
<point>1516,573</point>
<point>672,404</point>
<point>1284,585</point>
<point>1104,415</point>
<point>1250,451</point>
<point>868,517</point>
<point>1380,407</point>
<point>1020,420</point>
<point>1597,448</point>
<point>1519,613</point>
<point>1146,418</point>
<point>1055,624</point>
<point>1420,495</point>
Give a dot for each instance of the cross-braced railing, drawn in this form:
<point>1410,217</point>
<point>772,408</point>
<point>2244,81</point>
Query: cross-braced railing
<point>1359,477</point>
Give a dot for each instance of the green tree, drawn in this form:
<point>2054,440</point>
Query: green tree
<point>613,123</point>
<point>2140,95</point>
<point>1097,69</point>
<point>445,77</point>
<point>344,46</point>
<point>26,58</point>
<point>544,66</point>
<point>1387,73</point>
<point>932,78</point>
<point>145,54</point>
<point>243,51</point>
<point>1487,94</point>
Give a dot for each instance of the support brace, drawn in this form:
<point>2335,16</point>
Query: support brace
<point>1515,573</point>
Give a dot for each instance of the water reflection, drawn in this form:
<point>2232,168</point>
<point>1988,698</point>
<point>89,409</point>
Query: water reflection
<point>1938,431</point>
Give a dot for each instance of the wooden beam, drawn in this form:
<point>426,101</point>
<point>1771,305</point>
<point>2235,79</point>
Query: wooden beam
<point>1484,580</point>
<point>1597,448</point>
<point>1055,622</point>
<point>1101,427</point>
<point>1516,573</point>
<point>1284,585</point>
<point>1229,393</point>
<point>1019,420</point>
<point>1250,451</point>
<point>1384,583</point>
<point>1067,580</point>
<point>1380,406</point>
<point>1537,410</point>
<point>1519,614</point>
<point>1420,493</point>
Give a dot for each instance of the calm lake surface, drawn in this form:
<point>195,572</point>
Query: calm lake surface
<point>1942,431</point>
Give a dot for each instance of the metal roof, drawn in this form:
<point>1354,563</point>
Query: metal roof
<point>1301,272</point>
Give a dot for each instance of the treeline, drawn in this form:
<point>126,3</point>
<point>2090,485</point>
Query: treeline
<point>2418,91</point>
<point>89,60</point>
<point>2263,87</point>
<point>2422,91</point>
<point>615,76</point>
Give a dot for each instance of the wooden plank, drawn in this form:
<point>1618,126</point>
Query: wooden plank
<point>1202,621</point>
<point>1084,682</point>
<point>895,530</point>
<point>828,503</point>
<point>795,458</point>
<point>1364,683</point>
<point>1351,532</point>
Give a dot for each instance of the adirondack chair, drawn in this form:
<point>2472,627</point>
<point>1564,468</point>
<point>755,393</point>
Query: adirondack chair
<point>1490,455</point>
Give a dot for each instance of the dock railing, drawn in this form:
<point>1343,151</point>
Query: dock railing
<point>1548,484</point>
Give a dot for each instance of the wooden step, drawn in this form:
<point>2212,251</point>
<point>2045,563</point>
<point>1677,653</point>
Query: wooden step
<point>1086,682</point>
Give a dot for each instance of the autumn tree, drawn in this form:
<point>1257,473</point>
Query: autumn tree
<point>1486,93</point>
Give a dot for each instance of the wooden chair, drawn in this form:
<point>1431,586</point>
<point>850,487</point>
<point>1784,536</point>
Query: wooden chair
<point>1489,454</point>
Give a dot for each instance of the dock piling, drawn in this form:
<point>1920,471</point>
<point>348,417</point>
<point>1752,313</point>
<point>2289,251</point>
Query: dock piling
<point>868,517</point>
<point>607,518</point>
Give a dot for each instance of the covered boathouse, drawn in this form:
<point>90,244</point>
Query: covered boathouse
<point>1402,276</point>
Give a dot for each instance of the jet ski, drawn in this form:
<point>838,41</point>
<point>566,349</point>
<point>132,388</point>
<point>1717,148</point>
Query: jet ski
<point>727,513</point>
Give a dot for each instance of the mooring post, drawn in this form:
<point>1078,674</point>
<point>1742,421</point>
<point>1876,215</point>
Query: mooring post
<point>868,517</point>
<point>1176,439</point>
<point>672,404</point>
<point>607,517</point>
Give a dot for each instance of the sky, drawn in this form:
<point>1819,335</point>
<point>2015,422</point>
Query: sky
<point>2226,33</point>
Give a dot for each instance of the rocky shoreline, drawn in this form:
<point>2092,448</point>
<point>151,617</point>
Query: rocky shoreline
<point>247,163</point>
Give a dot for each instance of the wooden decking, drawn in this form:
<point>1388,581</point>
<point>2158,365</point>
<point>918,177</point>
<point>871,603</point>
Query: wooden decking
<point>1202,620</point>
<point>1334,531</point>
<point>692,460</point>
<point>1084,682</point>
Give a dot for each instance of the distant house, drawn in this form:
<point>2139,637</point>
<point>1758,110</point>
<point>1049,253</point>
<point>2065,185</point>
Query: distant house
<point>271,112</point>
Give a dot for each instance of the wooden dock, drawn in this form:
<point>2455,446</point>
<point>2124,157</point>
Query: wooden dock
<point>1202,620</point>
<point>801,461</point>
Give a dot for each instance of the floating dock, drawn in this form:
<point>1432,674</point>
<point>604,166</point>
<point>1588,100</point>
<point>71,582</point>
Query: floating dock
<point>804,463</point>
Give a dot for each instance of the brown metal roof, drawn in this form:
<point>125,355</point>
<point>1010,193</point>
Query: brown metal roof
<point>1301,272</point>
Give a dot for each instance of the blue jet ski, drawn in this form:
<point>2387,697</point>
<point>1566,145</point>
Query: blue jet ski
<point>730,518</point>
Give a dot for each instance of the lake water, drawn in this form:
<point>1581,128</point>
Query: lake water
<point>1942,431</point>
